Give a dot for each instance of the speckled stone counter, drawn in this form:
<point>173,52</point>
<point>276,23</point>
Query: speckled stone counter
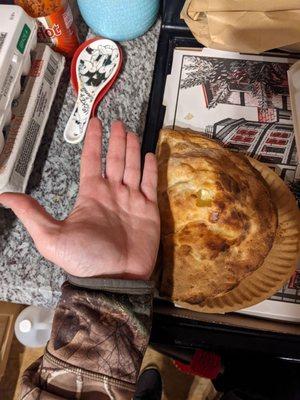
<point>25,276</point>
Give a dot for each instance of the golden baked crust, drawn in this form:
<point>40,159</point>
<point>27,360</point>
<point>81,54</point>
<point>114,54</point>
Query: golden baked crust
<point>218,220</point>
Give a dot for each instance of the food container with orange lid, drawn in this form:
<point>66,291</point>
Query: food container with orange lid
<point>56,24</point>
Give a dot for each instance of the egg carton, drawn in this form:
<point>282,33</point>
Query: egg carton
<point>18,37</point>
<point>29,116</point>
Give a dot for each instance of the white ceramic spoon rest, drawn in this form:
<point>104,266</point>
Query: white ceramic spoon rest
<point>96,66</point>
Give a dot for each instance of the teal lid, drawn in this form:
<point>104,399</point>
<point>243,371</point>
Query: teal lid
<point>118,19</point>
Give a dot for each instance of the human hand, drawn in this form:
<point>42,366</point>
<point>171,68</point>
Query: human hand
<point>114,227</point>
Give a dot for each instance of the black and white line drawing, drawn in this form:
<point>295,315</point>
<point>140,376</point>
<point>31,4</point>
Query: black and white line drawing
<point>96,66</point>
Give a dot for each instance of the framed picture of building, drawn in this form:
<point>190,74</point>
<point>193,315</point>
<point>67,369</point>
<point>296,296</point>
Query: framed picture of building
<point>241,100</point>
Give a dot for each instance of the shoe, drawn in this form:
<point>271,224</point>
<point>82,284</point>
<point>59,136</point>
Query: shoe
<point>149,385</point>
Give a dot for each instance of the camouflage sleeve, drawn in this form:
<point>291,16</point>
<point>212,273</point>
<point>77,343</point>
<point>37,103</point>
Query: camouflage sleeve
<point>97,345</point>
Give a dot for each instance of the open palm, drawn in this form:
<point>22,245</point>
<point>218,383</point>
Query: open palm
<point>114,227</point>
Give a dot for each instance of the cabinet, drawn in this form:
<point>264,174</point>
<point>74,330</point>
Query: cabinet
<point>8,315</point>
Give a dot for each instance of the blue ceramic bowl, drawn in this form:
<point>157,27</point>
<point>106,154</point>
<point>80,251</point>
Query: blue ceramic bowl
<point>119,19</point>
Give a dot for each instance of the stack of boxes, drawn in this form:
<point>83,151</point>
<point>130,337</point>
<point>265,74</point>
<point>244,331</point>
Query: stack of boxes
<point>29,76</point>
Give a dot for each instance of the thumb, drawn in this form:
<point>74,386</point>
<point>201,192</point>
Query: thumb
<point>33,216</point>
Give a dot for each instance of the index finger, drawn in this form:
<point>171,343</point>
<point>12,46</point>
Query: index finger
<point>90,164</point>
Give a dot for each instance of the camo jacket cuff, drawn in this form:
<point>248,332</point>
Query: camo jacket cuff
<point>96,347</point>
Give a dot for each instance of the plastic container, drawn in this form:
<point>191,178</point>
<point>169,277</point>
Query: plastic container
<point>118,19</point>
<point>33,326</point>
<point>56,25</point>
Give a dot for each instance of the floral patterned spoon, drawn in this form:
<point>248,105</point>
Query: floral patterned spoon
<point>97,63</point>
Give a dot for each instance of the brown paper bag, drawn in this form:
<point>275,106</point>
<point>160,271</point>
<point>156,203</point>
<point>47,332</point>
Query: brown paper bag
<point>248,26</point>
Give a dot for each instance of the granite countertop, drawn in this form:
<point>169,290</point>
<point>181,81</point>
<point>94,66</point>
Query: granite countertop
<point>25,276</point>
